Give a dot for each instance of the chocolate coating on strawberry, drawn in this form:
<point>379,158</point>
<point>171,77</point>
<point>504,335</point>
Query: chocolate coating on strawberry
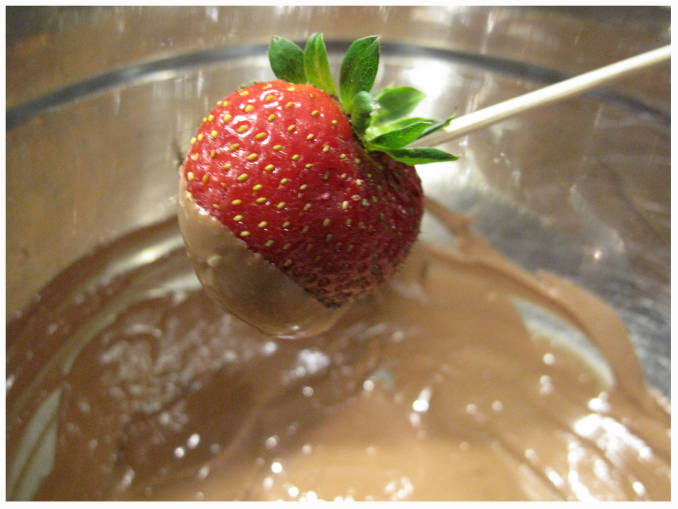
<point>241,281</point>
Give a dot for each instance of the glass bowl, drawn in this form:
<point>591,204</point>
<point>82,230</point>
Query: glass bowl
<point>101,103</point>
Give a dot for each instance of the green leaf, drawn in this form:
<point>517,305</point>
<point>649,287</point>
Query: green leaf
<point>360,113</point>
<point>414,156</point>
<point>316,65</point>
<point>287,60</point>
<point>401,132</point>
<point>434,127</point>
<point>376,130</point>
<point>358,69</point>
<point>395,102</point>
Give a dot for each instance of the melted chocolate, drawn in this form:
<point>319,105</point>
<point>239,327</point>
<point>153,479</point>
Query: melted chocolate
<point>437,386</point>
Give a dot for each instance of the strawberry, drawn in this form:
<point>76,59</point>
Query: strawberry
<point>323,188</point>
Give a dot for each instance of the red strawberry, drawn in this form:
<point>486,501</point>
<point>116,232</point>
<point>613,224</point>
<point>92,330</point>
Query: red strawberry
<point>283,168</point>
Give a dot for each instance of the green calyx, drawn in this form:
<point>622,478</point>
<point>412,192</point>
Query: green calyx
<point>378,119</point>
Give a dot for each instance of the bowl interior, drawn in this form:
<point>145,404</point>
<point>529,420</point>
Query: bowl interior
<point>580,188</point>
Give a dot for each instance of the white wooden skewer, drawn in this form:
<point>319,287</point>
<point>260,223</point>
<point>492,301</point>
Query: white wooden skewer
<point>547,95</point>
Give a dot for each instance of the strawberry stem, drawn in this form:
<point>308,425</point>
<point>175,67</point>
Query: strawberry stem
<point>379,119</point>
